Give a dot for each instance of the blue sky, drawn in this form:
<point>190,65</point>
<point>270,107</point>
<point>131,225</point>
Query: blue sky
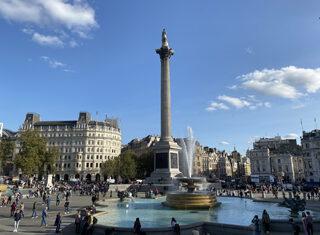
<point>241,69</point>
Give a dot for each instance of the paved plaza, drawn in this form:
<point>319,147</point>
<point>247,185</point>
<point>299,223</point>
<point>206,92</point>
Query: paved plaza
<point>32,226</point>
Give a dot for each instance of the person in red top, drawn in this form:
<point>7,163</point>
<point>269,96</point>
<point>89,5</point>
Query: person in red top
<point>13,208</point>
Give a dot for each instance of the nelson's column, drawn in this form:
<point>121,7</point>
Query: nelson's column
<point>166,151</point>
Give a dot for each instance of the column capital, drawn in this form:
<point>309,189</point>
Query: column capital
<point>165,52</point>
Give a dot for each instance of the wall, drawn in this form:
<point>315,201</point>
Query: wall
<point>202,227</point>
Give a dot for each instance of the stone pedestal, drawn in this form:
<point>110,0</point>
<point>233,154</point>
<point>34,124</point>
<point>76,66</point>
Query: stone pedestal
<point>166,162</point>
<point>49,181</point>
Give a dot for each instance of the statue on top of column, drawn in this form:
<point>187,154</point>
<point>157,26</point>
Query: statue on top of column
<point>164,39</point>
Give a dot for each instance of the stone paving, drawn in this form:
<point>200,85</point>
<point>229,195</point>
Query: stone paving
<point>32,226</point>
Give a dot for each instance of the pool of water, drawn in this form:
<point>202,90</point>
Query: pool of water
<point>153,214</point>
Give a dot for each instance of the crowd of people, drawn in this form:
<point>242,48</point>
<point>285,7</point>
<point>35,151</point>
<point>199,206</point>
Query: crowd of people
<point>60,193</point>
<point>42,204</point>
<point>263,224</point>
<point>249,190</point>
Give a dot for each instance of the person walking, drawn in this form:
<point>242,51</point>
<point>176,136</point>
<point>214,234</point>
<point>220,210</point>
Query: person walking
<point>304,223</point>
<point>34,210</point>
<point>48,202</point>
<point>295,227</point>
<point>57,222</point>
<point>44,217</point>
<point>17,218</point>
<point>66,207</point>
<point>256,223</point>
<point>13,208</point>
<point>309,221</point>
<point>22,209</point>
<point>77,222</point>
<point>58,199</point>
<point>175,226</point>
<point>137,227</point>
<point>266,222</point>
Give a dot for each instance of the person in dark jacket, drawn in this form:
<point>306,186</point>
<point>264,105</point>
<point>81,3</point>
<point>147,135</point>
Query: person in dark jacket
<point>256,223</point>
<point>77,222</point>
<point>137,227</point>
<point>295,227</point>
<point>57,222</point>
<point>17,218</point>
<point>266,222</point>
<point>309,223</point>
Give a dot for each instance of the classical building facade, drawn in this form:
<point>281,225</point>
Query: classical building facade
<point>310,142</point>
<point>84,144</point>
<point>276,159</point>
<point>141,146</point>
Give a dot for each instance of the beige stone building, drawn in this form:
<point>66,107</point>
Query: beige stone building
<point>84,144</point>
<point>310,142</point>
<point>141,146</point>
<point>276,159</point>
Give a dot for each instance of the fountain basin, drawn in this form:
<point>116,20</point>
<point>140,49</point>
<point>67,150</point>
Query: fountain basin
<point>153,214</point>
<point>186,200</point>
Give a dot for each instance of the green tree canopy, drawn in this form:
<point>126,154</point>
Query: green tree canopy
<point>34,157</point>
<point>108,168</point>
<point>144,164</point>
<point>49,160</point>
<point>124,166</point>
<point>6,151</point>
<point>128,167</point>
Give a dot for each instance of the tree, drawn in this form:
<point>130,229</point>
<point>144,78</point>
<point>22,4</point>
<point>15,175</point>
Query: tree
<point>128,168</point>
<point>124,166</point>
<point>31,157</point>
<point>108,168</point>
<point>6,151</point>
<point>145,165</point>
<point>49,160</point>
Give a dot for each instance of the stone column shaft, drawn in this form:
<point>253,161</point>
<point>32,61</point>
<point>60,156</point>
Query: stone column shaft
<point>165,100</point>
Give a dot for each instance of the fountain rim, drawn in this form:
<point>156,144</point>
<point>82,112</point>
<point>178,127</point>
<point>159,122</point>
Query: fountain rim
<point>191,179</point>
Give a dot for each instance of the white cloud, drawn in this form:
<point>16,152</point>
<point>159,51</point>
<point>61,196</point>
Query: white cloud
<point>47,40</point>
<point>249,102</point>
<point>267,104</point>
<point>55,64</point>
<point>73,43</point>
<point>76,16</point>
<point>249,51</point>
<point>298,106</point>
<point>224,143</point>
<point>234,101</point>
<point>233,87</point>
<point>291,136</point>
<point>288,82</point>
<point>217,106</point>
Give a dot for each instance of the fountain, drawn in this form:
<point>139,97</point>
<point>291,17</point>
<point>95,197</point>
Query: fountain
<point>191,198</point>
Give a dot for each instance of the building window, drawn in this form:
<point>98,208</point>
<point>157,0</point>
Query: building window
<point>87,164</point>
<point>91,164</point>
